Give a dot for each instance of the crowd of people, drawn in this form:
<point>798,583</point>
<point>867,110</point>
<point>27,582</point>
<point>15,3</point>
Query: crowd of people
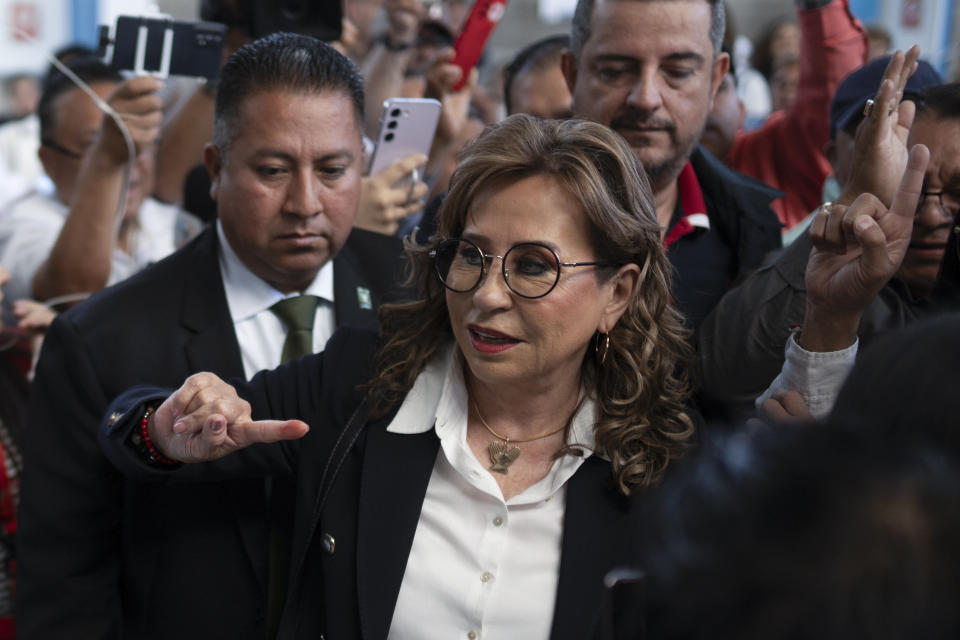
<point>617,358</point>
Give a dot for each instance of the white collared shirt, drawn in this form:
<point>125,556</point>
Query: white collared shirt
<point>259,331</point>
<point>480,566</point>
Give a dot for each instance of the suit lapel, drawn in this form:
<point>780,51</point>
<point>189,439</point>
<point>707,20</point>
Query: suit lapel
<point>367,272</point>
<point>396,471</point>
<point>595,539</point>
<point>347,290</point>
<point>212,345</point>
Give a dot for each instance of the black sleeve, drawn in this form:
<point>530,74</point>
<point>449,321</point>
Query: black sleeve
<point>70,510</point>
<point>321,389</point>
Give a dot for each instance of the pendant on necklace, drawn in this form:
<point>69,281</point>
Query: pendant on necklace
<point>502,456</point>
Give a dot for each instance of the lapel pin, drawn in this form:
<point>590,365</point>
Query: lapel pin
<point>363,298</point>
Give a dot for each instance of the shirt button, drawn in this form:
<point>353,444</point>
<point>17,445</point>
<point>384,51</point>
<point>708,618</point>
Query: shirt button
<point>486,577</point>
<point>497,521</point>
<point>473,635</point>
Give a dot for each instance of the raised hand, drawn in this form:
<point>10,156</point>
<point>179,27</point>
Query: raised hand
<point>880,151</point>
<point>383,203</point>
<point>403,20</point>
<point>205,419</point>
<point>141,110</point>
<point>442,76</point>
<point>856,250</point>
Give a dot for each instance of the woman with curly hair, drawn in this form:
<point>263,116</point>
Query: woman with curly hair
<point>469,472</point>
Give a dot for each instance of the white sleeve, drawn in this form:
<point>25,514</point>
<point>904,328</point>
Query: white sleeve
<point>816,376</point>
<point>26,239</point>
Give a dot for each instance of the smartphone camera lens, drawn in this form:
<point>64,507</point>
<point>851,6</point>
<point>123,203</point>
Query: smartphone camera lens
<point>392,124</point>
<point>388,137</point>
<point>395,113</point>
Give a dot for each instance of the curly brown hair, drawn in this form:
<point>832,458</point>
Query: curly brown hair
<point>643,387</point>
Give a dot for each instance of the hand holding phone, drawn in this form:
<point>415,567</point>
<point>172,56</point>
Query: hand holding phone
<point>136,98</point>
<point>385,199</point>
<point>473,38</point>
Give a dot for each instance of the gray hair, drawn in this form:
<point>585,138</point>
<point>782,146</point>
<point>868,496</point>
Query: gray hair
<point>580,30</point>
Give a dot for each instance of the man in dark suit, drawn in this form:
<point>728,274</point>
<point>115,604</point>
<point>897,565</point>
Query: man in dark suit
<point>105,558</point>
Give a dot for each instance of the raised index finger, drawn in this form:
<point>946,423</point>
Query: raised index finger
<point>894,70</point>
<point>908,193</point>
<point>907,69</point>
<point>270,431</point>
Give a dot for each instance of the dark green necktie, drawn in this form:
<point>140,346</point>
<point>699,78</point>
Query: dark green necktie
<point>297,314</point>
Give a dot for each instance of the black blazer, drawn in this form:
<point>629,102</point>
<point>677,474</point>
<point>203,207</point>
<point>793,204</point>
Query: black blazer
<point>102,557</point>
<point>348,561</point>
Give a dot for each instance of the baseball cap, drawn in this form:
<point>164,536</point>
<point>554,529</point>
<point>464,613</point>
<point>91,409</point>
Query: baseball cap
<point>846,109</point>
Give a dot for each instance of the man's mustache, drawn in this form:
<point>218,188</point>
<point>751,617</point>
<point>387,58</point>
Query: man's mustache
<point>641,120</point>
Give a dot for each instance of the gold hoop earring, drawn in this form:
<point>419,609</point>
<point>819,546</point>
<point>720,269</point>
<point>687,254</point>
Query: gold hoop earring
<point>602,346</point>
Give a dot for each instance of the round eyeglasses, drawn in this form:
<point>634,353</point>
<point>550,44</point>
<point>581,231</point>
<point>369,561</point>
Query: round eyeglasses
<point>530,269</point>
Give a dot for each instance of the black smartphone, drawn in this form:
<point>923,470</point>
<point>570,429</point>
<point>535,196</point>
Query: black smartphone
<point>163,48</point>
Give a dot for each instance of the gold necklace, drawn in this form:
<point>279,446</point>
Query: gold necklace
<point>502,456</point>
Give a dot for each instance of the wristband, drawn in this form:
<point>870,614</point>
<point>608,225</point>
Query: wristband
<point>148,452</point>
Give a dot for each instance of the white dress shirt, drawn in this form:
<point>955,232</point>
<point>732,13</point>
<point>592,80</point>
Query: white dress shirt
<point>480,566</point>
<point>19,143</point>
<point>29,228</point>
<point>260,332</point>
<point>816,376</point>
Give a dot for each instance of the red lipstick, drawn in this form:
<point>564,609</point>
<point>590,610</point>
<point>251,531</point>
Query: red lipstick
<point>489,341</point>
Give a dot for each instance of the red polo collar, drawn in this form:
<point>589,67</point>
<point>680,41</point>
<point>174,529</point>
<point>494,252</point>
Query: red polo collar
<point>694,207</point>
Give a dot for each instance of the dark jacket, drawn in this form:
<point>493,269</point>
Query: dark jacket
<point>349,559</point>
<point>743,228</point>
<point>102,557</point>
<point>741,343</point>
<point>739,209</point>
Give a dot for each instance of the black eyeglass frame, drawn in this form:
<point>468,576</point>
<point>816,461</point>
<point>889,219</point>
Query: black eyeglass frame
<point>488,258</point>
<point>59,148</point>
<point>939,195</point>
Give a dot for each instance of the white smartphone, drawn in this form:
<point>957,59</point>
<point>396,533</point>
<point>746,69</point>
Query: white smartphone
<point>407,126</point>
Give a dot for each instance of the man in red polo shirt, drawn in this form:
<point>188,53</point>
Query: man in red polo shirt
<point>788,152</point>
<point>649,69</point>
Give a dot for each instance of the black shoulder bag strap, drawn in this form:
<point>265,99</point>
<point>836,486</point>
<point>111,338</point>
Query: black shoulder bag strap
<point>346,440</point>
<point>348,437</point>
